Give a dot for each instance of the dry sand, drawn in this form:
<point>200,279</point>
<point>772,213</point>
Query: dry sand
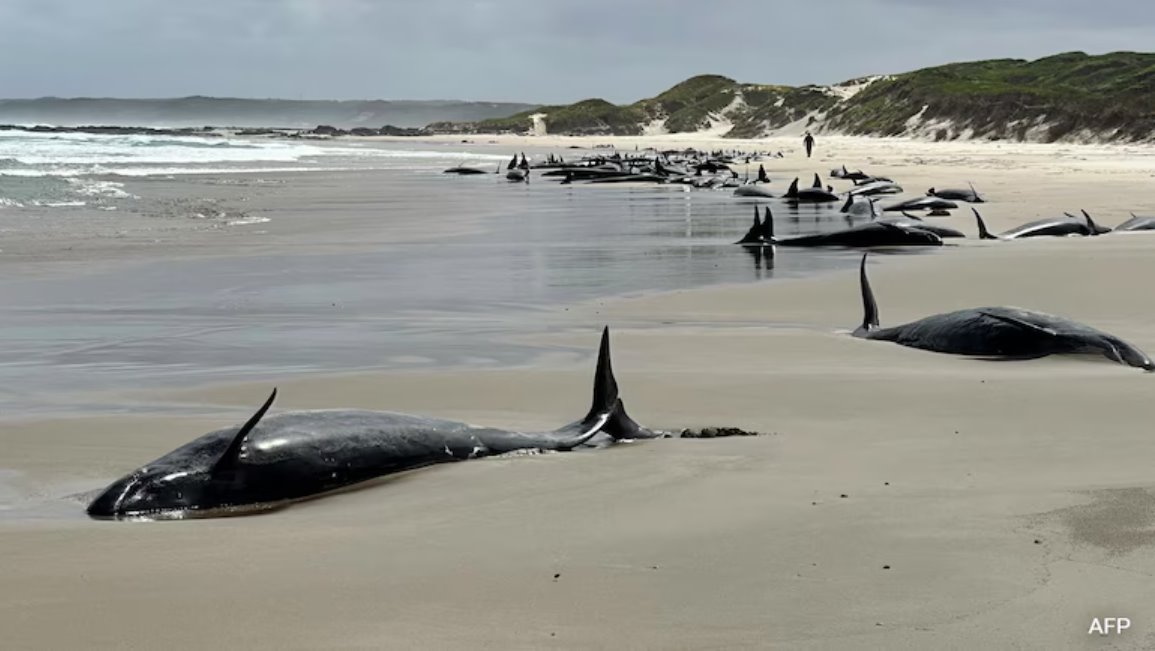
<point>900,499</point>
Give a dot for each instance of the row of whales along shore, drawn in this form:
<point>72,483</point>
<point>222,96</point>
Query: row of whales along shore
<point>997,332</point>
<point>270,462</point>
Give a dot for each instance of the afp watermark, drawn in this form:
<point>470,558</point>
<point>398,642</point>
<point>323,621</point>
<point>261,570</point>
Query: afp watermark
<point>1109,625</point>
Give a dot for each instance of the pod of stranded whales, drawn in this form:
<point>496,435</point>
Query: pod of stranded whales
<point>267,463</point>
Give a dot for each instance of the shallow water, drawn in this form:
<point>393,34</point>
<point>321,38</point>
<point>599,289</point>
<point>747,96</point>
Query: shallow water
<point>442,302</point>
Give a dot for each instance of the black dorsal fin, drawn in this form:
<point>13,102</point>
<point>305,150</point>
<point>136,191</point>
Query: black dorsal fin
<point>869,307</point>
<point>817,182</point>
<point>229,457</point>
<point>1094,228</point>
<point>793,190</point>
<point>984,234</point>
<point>768,225</point>
<point>754,235</point>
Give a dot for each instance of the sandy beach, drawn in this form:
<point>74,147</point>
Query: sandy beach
<point>898,499</point>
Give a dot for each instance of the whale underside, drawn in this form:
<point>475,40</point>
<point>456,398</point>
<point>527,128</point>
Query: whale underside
<point>922,203</point>
<point>876,188</point>
<point>296,455</point>
<point>997,332</point>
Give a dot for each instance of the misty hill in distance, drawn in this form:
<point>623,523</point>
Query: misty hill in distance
<point>200,111</point>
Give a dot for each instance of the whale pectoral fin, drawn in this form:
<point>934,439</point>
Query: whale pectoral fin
<point>1027,325</point>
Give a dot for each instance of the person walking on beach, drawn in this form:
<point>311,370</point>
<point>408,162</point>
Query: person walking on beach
<point>808,141</point>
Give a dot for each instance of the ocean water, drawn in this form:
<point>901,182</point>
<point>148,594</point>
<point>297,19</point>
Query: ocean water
<point>66,170</point>
<point>434,303</point>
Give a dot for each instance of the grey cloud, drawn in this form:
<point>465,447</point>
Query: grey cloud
<point>543,51</point>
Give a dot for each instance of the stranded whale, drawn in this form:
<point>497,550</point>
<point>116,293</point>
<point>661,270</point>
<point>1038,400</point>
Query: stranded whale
<point>814,194</point>
<point>1054,227</point>
<point>969,195</point>
<point>1137,223</point>
<point>271,461</point>
<point>886,232</point>
<point>997,332</point>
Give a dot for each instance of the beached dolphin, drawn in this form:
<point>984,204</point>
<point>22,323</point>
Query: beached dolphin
<point>953,194</point>
<point>464,171</point>
<point>815,194</point>
<point>922,203</point>
<point>756,190</point>
<point>997,332</point>
<point>843,173</point>
<point>1137,223</point>
<point>269,462</point>
<point>1064,226</point>
<point>875,188</point>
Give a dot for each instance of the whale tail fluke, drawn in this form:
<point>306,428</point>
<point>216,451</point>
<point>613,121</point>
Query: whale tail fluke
<point>608,412</point>
<point>768,226</point>
<point>984,234</point>
<point>754,235</point>
<point>869,306</point>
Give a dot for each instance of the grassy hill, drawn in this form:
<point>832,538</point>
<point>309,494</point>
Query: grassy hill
<point>1111,96</point>
<point>1071,96</point>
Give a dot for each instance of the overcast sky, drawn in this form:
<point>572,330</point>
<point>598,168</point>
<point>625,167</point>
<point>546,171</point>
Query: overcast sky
<point>545,51</point>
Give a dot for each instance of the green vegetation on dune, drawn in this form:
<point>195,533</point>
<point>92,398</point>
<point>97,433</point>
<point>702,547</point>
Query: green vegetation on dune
<point>1071,95</point>
<point>778,107</point>
<point>688,106</point>
<point>1003,99</point>
<point>587,117</point>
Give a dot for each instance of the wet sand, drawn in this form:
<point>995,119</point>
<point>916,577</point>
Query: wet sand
<point>900,499</point>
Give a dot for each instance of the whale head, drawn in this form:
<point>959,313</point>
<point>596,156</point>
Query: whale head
<point>155,493</point>
<point>162,490</point>
<point>1120,351</point>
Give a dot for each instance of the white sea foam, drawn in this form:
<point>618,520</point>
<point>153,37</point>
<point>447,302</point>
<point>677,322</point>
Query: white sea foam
<point>245,221</point>
<point>31,154</point>
<point>107,189</point>
<point>60,204</point>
